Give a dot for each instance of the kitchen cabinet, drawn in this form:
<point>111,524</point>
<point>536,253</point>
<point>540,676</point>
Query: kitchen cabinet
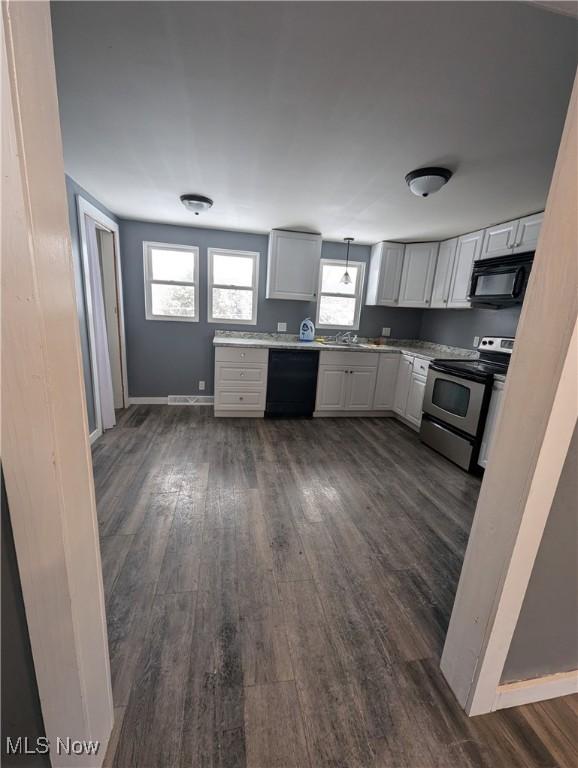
<point>293,265</point>
<point>385,384</point>
<point>410,388</point>
<point>528,233</point>
<point>419,263</point>
<point>240,381</point>
<point>468,249</point>
<point>494,410</point>
<point>346,381</point>
<point>516,236</point>
<point>402,384</point>
<point>331,386</point>
<point>443,274</point>
<point>385,267</point>
<point>415,399</point>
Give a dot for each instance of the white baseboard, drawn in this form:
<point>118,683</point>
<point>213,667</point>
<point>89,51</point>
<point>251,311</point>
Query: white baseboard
<point>200,400</point>
<point>537,689</point>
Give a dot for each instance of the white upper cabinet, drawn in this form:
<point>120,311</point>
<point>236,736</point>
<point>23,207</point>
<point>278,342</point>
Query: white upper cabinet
<point>468,250</point>
<point>443,275</point>
<point>293,265</point>
<point>499,240</point>
<point>510,237</point>
<point>417,276</point>
<point>384,278</point>
<point>528,233</point>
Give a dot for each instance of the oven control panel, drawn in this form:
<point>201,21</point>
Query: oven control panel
<point>497,344</point>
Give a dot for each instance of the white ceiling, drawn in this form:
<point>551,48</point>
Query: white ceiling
<point>308,115</point>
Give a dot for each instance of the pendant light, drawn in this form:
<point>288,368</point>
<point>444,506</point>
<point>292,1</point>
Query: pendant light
<point>346,279</point>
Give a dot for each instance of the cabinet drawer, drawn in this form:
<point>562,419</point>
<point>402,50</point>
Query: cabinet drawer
<point>251,400</point>
<point>237,373</point>
<point>349,358</point>
<point>241,355</point>
<point>420,366</point>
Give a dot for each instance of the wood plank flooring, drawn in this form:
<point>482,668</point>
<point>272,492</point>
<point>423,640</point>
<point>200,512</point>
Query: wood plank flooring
<point>278,593</point>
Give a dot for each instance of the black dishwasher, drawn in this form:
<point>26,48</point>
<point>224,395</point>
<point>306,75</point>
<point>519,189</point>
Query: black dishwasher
<point>291,382</point>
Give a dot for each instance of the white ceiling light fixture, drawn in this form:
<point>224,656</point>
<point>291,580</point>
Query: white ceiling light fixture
<point>426,181</point>
<point>196,203</point>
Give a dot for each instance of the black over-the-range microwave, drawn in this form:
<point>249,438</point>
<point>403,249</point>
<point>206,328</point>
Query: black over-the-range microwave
<point>501,281</point>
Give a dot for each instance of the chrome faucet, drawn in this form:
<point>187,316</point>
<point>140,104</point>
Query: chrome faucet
<point>345,338</point>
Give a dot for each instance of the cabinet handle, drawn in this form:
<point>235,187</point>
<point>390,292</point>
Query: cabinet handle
<point>240,398</point>
<point>242,354</point>
<point>241,374</point>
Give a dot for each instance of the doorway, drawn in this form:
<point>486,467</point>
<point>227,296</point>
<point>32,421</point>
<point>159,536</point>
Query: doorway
<point>106,379</point>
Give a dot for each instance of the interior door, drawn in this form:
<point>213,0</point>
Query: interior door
<point>109,291</point>
<point>468,250</point>
<point>360,388</point>
<point>330,389</point>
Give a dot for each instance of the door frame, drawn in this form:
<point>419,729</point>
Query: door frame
<point>84,208</point>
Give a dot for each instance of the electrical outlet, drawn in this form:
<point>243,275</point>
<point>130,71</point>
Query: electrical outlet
<point>281,327</point>
<point>386,331</point>
<point>201,386</point>
<point>476,341</point>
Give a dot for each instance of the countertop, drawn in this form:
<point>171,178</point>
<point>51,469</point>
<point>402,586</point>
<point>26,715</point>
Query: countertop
<point>423,349</point>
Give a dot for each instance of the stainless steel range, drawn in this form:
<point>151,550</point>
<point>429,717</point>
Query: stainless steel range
<point>456,399</point>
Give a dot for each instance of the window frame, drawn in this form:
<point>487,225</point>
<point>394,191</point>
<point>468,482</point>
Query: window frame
<point>254,288</point>
<point>357,294</point>
<point>148,245</point>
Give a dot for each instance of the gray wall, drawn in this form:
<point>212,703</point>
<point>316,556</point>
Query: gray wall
<point>171,357</point>
<point>457,327</point>
<point>21,713</point>
<point>545,640</point>
<point>72,190</point>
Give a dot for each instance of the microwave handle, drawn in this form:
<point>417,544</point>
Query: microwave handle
<point>518,282</point>
<point>473,286</point>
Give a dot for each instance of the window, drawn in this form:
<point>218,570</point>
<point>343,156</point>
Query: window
<point>171,275</point>
<point>339,305</point>
<point>233,281</point>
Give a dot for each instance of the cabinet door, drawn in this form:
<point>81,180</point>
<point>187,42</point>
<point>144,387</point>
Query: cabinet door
<point>443,274</point>
<point>402,384</point>
<point>360,388</point>
<point>293,265</point>
<point>491,422</point>
<point>468,250</point>
<point>415,399</point>
<point>419,263</point>
<point>499,240</point>
<point>331,389</point>
<point>386,382</point>
<point>528,233</point>
<point>390,275</point>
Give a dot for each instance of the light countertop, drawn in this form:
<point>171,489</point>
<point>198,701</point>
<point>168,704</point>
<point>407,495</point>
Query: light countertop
<point>426,350</point>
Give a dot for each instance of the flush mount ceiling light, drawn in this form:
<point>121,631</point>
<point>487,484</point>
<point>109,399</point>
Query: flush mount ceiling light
<point>426,181</point>
<point>346,279</point>
<point>196,203</point>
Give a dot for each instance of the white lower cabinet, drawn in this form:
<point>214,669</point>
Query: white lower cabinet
<point>330,388</point>
<point>346,381</point>
<point>240,381</point>
<point>402,384</point>
<point>386,382</point>
<point>415,399</point>
<point>410,388</point>
<point>491,422</point>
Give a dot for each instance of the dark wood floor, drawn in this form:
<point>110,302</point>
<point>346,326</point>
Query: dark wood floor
<point>277,597</point>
